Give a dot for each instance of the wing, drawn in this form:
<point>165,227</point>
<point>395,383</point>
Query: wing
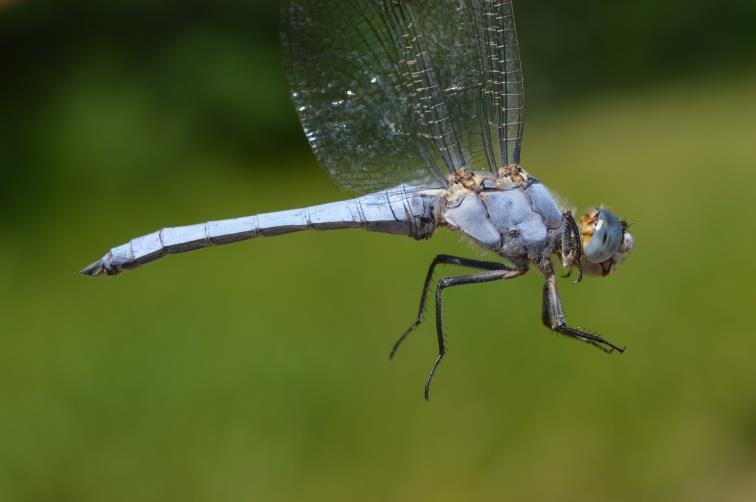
<point>405,91</point>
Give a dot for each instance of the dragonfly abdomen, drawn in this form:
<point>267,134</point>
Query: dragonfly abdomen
<point>402,210</point>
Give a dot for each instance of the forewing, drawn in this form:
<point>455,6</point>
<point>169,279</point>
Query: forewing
<point>492,83</point>
<point>405,91</point>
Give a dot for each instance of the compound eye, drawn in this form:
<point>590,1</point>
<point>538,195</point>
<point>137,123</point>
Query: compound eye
<point>606,238</point>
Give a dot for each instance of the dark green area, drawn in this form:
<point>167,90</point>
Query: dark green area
<point>259,371</point>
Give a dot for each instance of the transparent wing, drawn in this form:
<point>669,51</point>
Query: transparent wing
<point>405,91</point>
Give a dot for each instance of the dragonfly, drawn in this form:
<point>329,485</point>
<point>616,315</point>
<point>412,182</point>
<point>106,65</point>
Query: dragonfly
<point>416,109</point>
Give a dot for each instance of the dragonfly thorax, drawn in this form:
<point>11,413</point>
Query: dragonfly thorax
<point>514,215</point>
<point>508,177</point>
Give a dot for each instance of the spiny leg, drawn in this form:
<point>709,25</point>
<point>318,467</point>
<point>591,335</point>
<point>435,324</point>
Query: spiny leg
<point>572,247</point>
<point>553,318</point>
<point>449,282</point>
<point>442,259</point>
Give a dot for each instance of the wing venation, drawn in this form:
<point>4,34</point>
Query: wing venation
<point>405,91</point>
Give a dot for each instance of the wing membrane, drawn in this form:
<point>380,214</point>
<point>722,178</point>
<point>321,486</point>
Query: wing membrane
<point>405,91</point>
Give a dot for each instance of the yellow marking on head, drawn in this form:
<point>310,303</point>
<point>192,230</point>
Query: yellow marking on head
<point>587,224</point>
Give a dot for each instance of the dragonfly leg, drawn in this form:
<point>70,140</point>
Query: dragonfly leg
<point>572,247</point>
<point>448,282</point>
<point>553,318</point>
<point>442,259</point>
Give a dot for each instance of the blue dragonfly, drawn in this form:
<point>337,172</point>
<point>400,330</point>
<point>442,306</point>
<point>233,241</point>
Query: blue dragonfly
<point>416,107</point>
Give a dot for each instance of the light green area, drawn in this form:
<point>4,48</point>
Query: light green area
<point>259,371</point>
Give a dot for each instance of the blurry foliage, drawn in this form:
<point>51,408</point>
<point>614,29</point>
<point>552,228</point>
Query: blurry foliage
<point>116,87</point>
<point>591,45</point>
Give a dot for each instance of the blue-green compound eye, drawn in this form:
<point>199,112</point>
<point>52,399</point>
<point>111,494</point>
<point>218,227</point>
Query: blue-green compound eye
<point>606,238</point>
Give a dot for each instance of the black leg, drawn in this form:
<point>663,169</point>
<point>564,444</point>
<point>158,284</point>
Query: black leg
<point>553,318</point>
<point>448,282</point>
<point>442,259</point>
<point>572,247</point>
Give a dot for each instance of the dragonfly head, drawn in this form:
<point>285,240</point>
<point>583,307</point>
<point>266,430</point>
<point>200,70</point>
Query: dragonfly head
<point>606,241</point>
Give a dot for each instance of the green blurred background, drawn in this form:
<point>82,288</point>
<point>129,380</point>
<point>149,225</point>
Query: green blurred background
<point>259,371</point>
